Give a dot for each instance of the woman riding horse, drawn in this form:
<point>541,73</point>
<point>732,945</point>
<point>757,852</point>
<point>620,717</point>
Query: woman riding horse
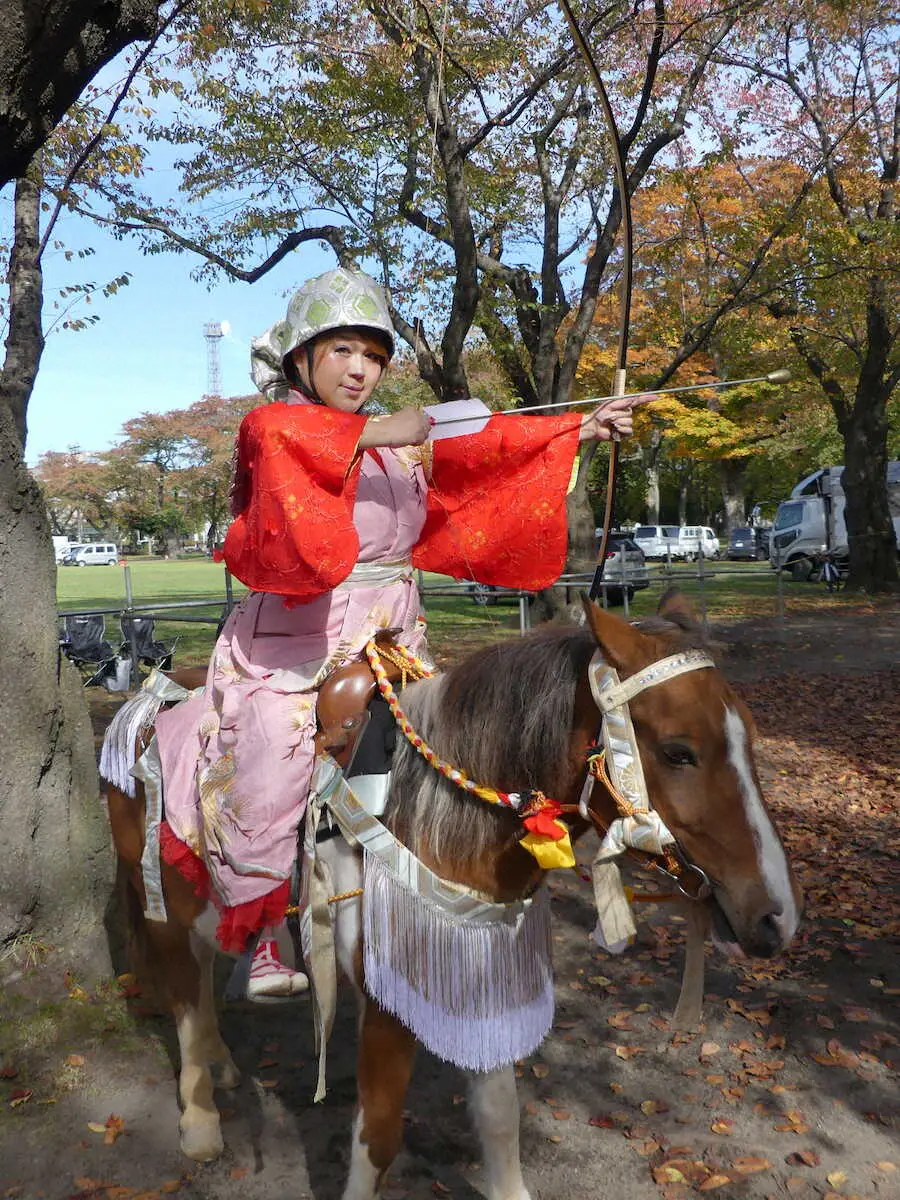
<point>333,508</point>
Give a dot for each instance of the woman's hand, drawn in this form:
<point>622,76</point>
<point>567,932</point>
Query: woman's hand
<point>408,427</point>
<point>612,419</point>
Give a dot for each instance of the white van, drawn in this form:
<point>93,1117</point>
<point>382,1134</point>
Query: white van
<point>694,540</point>
<point>657,541</point>
<point>96,553</point>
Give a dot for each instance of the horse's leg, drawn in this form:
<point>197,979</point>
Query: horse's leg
<point>386,1051</point>
<point>214,1049</point>
<point>495,1114</point>
<point>184,969</point>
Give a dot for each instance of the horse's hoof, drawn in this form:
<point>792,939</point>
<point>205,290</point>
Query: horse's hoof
<point>226,1075</point>
<point>201,1139</point>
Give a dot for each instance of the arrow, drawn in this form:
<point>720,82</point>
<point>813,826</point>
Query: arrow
<point>780,376</point>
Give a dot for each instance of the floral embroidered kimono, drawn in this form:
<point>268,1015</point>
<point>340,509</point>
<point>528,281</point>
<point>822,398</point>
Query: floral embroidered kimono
<point>328,538</point>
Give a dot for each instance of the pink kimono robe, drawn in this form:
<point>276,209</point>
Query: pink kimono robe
<point>237,760</point>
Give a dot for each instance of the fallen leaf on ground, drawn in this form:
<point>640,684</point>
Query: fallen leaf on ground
<point>749,1164</point>
<point>650,1107</point>
<point>806,1158</point>
<point>668,1175</point>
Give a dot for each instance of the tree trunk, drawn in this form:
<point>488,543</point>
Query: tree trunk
<point>733,496</point>
<point>870,530</point>
<point>57,872</point>
<point>49,52</point>
<point>56,875</point>
<point>682,498</point>
<point>651,456</point>
<point>25,340</point>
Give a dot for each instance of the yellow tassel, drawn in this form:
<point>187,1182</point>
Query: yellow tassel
<point>549,852</point>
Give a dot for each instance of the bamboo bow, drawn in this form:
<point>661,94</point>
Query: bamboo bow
<point>627,271</point>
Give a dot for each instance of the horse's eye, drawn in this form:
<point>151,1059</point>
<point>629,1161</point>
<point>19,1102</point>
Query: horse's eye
<point>677,754</point>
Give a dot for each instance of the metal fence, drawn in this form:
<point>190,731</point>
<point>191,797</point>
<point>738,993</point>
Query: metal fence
<point>616,587</point>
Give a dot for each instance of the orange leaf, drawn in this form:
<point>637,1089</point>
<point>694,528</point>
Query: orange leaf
<point>722,1126</point>
<point>714,1181</point>
<point>806,1158</point>
<point>749,1164</point>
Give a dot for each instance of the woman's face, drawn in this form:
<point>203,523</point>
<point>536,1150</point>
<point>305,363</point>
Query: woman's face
<point>346,368</point>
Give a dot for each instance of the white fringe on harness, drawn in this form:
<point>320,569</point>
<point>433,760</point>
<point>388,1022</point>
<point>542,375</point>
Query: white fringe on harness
<point>478,994</point>
<point>119,766</point>
<point>134,718</point>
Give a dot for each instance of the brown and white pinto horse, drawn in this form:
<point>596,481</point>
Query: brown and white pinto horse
<point>519,714</point>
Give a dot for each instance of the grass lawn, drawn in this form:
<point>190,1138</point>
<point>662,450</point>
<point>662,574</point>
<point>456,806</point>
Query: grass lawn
<point>727,591</point>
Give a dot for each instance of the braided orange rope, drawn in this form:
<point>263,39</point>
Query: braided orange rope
<point>548,837</point>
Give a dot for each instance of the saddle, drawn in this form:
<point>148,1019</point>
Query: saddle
<point>347,703</point>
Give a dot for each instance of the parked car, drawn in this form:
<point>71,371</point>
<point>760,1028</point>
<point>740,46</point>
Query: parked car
<point>625,562</point>
<point>656,541</point>
<point>694,540</point>
<point>93,554</point>
<point>748,543</point>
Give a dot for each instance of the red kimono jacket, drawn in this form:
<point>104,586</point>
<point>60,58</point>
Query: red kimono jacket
<point>496,501</point>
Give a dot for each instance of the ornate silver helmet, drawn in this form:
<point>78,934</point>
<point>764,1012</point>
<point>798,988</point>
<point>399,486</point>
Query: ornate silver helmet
<point>337,299</point>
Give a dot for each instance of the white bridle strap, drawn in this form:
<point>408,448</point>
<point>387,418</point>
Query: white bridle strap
<point>644,829</point>
<point>610,692</point>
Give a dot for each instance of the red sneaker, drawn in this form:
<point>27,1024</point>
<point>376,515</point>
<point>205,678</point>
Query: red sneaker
<point>270,977</point>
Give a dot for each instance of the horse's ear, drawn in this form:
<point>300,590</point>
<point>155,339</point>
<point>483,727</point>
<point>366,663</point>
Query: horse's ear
<point>618,640</point>
<point>674,606</point>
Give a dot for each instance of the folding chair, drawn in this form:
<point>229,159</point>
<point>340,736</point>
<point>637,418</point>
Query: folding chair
<point>137,638</point>
<point>85,644</point>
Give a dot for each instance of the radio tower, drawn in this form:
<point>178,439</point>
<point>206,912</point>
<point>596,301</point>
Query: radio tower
<point>214,331</point>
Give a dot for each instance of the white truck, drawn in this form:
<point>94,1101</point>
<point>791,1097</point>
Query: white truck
<point>811,523</point>
<point>61,546</point>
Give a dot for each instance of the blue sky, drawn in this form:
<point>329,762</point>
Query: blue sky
<point>147,352</point>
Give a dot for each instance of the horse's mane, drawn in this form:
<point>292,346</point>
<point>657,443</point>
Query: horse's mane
<point>504,716</point>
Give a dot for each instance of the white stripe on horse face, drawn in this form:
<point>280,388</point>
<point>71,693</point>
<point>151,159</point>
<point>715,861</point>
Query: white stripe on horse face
<point>773,865</point>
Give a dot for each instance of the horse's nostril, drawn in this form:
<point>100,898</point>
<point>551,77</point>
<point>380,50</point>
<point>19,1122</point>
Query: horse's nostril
<point>769,932</point>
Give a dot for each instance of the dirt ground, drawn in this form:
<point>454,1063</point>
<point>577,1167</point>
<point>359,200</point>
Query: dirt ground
<point>789,1089</point>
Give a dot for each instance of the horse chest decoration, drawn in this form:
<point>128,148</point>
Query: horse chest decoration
<point>444,929</point>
